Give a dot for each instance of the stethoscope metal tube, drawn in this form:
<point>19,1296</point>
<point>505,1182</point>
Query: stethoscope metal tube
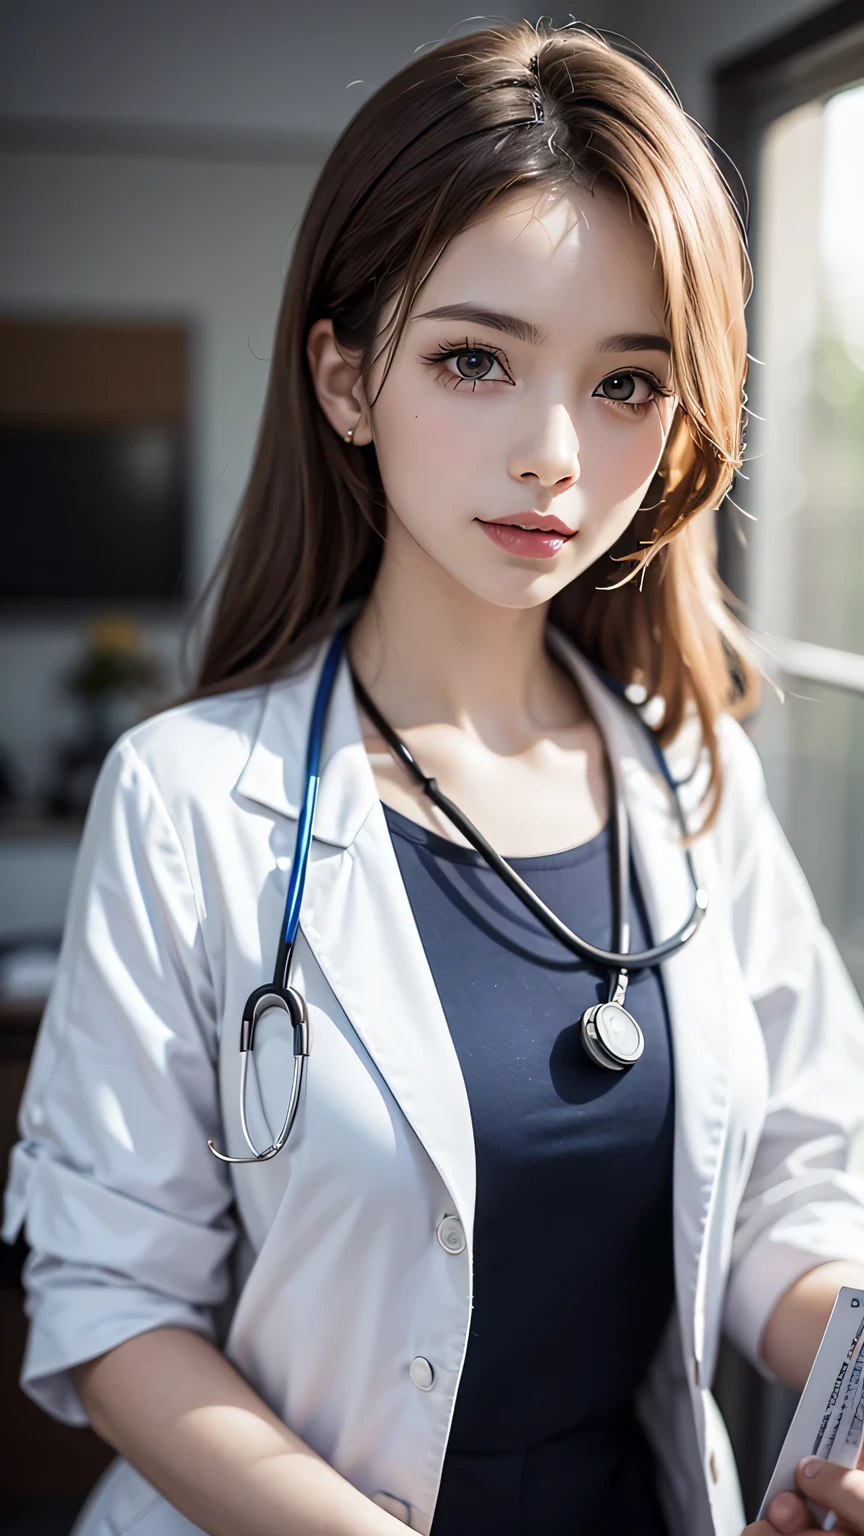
<point>610,1035</point>
<point>279,994</point>
<point>289,1001</point>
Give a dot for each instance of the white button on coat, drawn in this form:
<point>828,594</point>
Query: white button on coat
<point>451,1234</point>
<point>421,1373</point>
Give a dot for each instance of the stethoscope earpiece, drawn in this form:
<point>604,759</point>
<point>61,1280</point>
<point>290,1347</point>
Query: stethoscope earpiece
<point>262,1000</point>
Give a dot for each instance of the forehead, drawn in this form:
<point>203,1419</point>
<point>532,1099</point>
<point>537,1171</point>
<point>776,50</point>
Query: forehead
<point>561,258</point>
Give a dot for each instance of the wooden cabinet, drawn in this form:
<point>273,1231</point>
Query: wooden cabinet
<point>41,1459</point>
<point>92,372</point>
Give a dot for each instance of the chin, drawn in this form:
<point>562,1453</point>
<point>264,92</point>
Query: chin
<point>519,588</point>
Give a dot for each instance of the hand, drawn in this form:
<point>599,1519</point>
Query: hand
<point>835,1488</point>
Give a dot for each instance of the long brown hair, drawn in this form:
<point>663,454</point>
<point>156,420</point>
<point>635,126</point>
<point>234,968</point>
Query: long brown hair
<point>430,152</point>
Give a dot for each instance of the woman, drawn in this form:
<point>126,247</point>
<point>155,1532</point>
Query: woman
<point>507,377</point>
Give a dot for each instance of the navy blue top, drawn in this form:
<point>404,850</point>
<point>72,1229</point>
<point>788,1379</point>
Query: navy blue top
<point>573,1276</point>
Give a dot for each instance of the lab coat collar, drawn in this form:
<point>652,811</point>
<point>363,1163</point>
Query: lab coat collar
<point>274,774</point>
<point>275,771</point>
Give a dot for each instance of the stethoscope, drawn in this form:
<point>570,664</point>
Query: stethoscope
<point>610,1035</point>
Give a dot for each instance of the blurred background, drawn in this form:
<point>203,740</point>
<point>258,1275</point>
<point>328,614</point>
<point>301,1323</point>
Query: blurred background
<point>154,162</point>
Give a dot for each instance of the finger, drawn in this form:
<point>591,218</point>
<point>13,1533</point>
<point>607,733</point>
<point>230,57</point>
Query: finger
<point>767,1528</point>
<point>788,1513</point>
<point>838,1488</point>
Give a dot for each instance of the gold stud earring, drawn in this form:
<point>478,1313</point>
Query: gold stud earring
<point>348,437</point>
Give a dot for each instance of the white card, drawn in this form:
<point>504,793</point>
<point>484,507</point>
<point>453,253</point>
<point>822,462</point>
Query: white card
<point>829,1418</point>
<point>847,1441</point>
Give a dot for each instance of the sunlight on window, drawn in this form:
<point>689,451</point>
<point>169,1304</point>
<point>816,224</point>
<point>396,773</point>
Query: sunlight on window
<point>808,478</point>
<point>842,242</point>
<point>807,486</point>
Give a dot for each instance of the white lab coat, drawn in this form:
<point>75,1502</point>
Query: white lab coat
<point>320,1272</point>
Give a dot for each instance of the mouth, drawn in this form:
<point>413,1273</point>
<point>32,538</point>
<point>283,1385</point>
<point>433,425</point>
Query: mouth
<point>532,535</point>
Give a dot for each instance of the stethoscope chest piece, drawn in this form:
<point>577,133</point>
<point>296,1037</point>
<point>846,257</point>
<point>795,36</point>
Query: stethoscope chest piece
<point>611,1036</point>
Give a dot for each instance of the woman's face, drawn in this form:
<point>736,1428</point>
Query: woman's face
<point>527,405</point>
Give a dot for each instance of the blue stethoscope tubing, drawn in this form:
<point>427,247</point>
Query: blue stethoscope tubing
<point>279,994</point>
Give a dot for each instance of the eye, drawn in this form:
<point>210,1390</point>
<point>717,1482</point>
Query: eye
<point>474,365</point>
<point>629,388</point>
<point>467,364</point>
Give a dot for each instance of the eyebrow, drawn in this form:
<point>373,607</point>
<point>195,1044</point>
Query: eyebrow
<point>522,330</point>
<point>636,341</point>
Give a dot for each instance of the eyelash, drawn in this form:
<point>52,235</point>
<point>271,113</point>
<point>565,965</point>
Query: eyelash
<point>447,350</point>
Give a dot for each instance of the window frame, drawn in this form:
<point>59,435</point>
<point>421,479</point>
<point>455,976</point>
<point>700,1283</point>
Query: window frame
<point>817,57</point>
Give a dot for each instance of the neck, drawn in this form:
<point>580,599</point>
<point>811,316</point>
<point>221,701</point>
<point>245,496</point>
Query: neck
<point>428,649</point>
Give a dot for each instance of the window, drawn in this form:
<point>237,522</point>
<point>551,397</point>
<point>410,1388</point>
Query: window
<point>791,117</point>
<point>806,561</point>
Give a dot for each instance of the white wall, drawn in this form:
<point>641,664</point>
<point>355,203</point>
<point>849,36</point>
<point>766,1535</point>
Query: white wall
<point>199,241</point>
<point>238,66</point>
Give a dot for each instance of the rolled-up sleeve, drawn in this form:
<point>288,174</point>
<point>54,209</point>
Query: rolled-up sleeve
<point>126,1213</point>
<point>804,1201</point>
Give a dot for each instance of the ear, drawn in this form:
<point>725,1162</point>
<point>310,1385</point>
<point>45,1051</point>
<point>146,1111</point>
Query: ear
<point>338,384</point>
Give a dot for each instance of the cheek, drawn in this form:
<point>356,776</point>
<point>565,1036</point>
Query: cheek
<point>427,447</point>
<point>625,456</point>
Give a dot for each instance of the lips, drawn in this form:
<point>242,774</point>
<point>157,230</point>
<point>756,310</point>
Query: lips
<point>531,535</point>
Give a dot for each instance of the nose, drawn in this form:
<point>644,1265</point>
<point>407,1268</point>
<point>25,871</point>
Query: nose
<point>549,455</point>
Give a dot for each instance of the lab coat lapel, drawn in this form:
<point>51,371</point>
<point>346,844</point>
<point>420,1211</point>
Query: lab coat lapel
<point>694,985</point>
<point>357,920</point>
